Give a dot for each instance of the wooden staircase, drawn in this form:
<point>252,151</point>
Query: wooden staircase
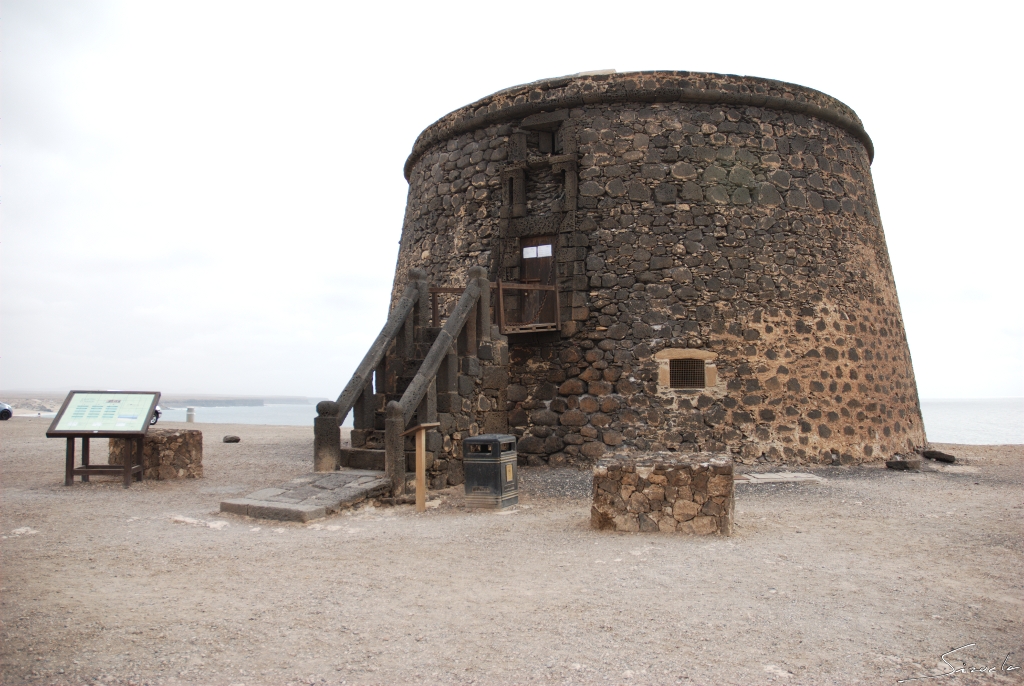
<point>410,372</point>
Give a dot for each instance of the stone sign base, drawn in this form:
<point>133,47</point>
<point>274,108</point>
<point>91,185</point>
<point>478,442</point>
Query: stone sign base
<point>676,493</point>
<point>166,454</point>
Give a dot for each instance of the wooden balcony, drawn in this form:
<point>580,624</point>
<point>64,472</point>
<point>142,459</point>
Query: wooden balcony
<point>517,307</point>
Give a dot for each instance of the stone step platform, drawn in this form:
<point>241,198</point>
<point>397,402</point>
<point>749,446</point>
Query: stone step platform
<point>363,458</point>
<point>373,458</point>
<point>311,496</point>
<point>777,478</point>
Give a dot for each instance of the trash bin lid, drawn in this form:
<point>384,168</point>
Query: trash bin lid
<point>488,439</point>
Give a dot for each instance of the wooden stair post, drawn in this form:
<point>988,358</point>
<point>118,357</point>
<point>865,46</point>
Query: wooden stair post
<point>394,448</point>
<point>421,462</point>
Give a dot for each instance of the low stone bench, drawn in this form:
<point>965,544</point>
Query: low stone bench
<point>166,454</point>
<point>683,494</point>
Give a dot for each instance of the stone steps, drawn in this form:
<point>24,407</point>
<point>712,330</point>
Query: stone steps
<point>373,459</point>
<point>310,496</point>
<point>363,458</point>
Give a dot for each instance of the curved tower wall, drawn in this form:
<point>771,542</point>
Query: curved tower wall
<point>721,218</point>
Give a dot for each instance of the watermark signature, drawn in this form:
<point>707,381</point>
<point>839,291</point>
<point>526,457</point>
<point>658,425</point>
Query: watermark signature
<point>963,668</point>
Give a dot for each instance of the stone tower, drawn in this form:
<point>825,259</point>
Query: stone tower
<point>688,262</point>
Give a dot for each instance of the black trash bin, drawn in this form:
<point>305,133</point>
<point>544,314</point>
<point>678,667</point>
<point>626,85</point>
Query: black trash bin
<point>491,470</point>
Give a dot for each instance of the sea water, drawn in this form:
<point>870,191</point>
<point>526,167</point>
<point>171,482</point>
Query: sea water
<point>990,421</point>
<point>976,422</point>
<point>276,415</point>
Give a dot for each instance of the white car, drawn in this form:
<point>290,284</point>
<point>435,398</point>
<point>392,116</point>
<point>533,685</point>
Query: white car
<point>6,411</point>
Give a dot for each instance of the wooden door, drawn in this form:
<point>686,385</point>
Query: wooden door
<point>537,266</point>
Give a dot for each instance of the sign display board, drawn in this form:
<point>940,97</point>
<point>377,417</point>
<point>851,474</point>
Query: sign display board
<point>104,412</point>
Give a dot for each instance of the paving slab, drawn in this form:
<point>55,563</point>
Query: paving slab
<point>310,496</point>
<point>266,493</point>
<point>778,478</point>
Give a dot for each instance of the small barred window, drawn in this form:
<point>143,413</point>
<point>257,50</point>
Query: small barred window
<point>686,373</point>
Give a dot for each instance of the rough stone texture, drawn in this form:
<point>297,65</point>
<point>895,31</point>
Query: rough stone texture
<point>667,493</point>
<point>939,456</point>
<point>326,442</point>
<point>904,463</point>
<point>166,454</point>
<point>745,225</point>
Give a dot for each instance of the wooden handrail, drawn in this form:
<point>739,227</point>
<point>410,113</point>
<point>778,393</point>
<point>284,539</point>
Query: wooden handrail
<point>399,314</point>
<point>442,344</point>
<point>398,413</point>
<point>508,285</point>
<point>496,287</point>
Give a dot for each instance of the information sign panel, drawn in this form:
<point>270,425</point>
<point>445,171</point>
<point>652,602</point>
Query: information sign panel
<point>104,412</point>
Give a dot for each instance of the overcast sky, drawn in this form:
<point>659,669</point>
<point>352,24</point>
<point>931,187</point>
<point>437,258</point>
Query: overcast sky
<point>207,197</point>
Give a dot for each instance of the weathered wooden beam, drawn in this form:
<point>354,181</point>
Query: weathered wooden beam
<point>423,310</point>
<point>377,350</point>
<point>394,448</point>
<point>483,317</point>
<point>449,333</point>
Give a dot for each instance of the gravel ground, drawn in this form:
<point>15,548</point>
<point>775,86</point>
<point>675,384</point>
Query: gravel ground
<point>867,578</point>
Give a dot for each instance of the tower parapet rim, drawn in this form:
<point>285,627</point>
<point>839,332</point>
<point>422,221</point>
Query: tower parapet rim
<point>581,90</point>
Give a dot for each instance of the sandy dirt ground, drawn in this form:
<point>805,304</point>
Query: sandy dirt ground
<point>867,578</point>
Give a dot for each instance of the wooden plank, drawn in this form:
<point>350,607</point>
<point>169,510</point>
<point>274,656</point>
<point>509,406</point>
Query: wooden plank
<point>421,469</point>
<point>425,425</point>
<point>378,349</point>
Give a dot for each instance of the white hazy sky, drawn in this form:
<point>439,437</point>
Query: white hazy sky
<point>207,197</point>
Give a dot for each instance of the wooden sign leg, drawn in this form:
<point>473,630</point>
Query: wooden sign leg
<point>69,463</point>
<point>142,450</point>
<point>421,470</point>
<point>129,460</point>
<point>85,457</point>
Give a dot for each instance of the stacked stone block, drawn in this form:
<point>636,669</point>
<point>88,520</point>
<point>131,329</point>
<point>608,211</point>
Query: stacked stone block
<point>721,214</point>
<point>475,406</point>
<point>664,493</point>
<point>166,454</point>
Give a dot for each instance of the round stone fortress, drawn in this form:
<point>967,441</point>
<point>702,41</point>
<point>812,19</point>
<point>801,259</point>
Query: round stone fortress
<point>720,275</point>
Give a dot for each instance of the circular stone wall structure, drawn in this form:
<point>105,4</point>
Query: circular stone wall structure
<point>723,277</point>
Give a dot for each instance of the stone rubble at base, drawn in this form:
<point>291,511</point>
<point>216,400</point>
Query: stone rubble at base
<point>166,454</point>
<point>690,494</point>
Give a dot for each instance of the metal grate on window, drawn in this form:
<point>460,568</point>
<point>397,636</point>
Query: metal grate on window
<point>686,373</point>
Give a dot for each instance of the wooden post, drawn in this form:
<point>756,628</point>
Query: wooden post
<point>359,412</point>
<point>380,377</point>
<point>142,458</point>
<point>468,335</point>
<point>69,463</point>
<point>421,469</point>
<point>85,457</point>
<point>419,277</point>
<point>406,338</point>
<point>501,308</point>
<point>394,448</point>
<point>327,436</point>
<point>483,317</point>
<point>129,461</point>
<point>421,462</point>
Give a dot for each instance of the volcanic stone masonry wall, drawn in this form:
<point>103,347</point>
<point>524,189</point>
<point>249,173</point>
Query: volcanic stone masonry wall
<point>666,493</point>
<point>731,218</point>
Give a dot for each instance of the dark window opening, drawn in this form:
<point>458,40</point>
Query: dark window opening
<point>686,373</point>
<point>549,141</point>
<point>546,142</point>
